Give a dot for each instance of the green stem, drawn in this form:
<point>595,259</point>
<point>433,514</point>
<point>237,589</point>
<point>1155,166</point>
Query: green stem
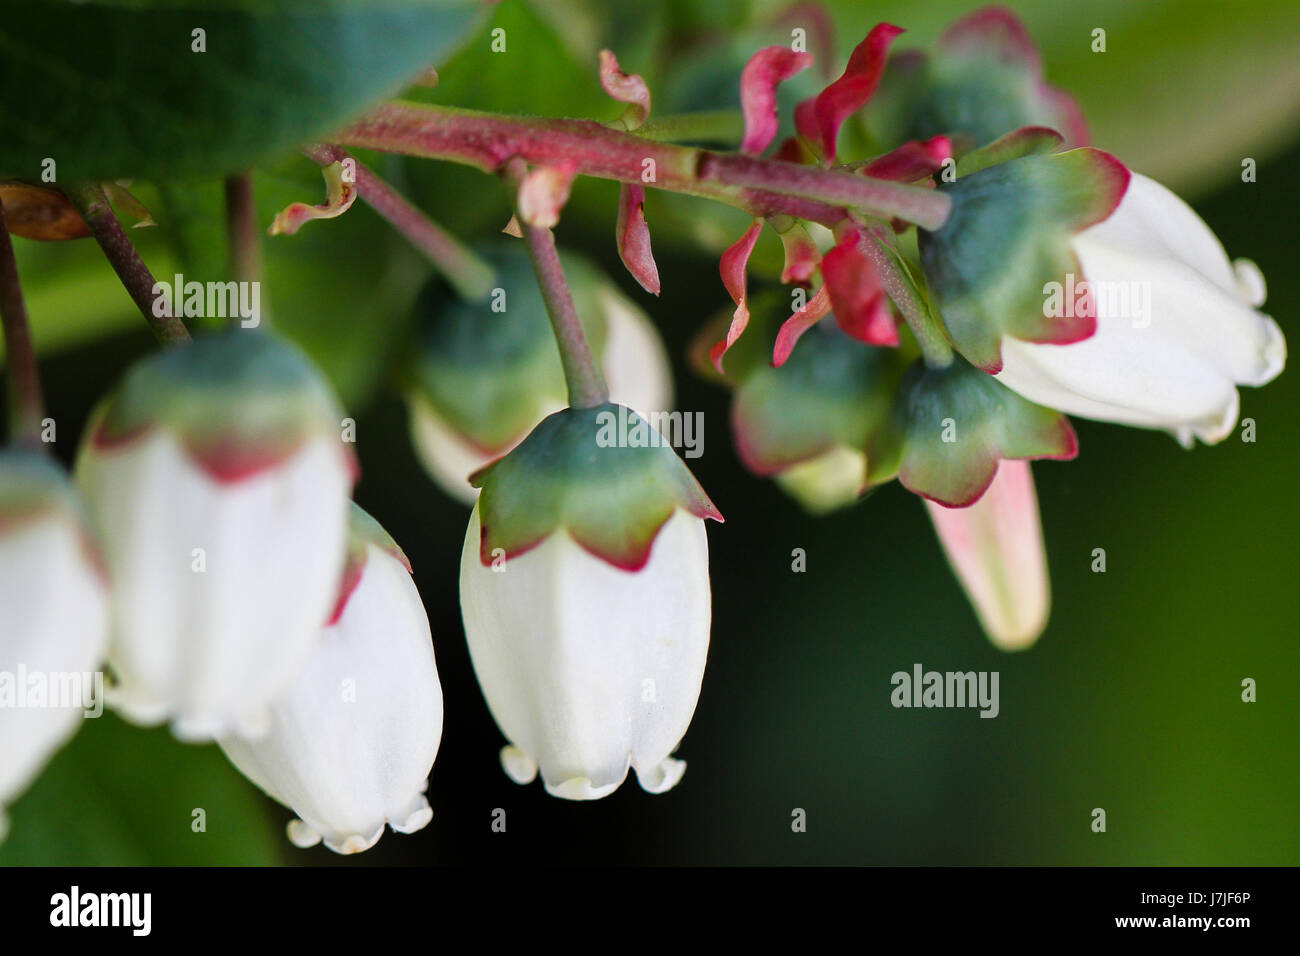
<point>586,385</point>
<point>126,262</point>
<point>26,405</point>
<point>706,126</point>
<point>469,275</point>
<point>902,289</point>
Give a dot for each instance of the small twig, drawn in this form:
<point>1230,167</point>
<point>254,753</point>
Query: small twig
<point>586,384</point>
<point>26,405</point>
<point>469,275</point>
<point>126,262</point>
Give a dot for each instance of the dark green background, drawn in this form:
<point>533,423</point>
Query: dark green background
<point>1130,701</point>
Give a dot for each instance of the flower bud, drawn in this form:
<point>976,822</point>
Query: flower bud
<point>219,484</point>
<point>585,593</point>
<point>995,547</point>
<point>54,623</point>
<point>473,397</point>
<point>353,739</point>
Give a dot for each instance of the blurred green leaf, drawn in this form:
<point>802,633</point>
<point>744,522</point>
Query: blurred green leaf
<point>119,795</point>
<point>118,89</point>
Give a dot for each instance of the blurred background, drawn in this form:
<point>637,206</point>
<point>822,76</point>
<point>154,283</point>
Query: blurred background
<point>1131,701</point>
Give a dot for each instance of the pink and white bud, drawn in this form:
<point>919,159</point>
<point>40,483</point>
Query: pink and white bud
<point>995,547</point>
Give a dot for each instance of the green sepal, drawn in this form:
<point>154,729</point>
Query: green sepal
<point>952,426</point>
<point>586,471</point>
<point>833,391</point>
<point>1007,237</point>
<point>238,401</point>
<point>490,368</point>
<point>1027,141</point>
<point>982,79</point>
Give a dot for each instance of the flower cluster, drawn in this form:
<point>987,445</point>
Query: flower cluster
<point>229,586</point>
<point>979,275</point>
<point>1060,283</point>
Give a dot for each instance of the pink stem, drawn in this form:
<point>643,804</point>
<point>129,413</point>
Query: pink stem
<point>763,187</point>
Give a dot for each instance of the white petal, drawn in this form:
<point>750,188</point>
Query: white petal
<point>589,669</point>
<point>1171,358</point>
<point>210,648</point>
<point>53,634</point>
<point>1250,282</point>
<point>995,547</point>
<point>352,740</point>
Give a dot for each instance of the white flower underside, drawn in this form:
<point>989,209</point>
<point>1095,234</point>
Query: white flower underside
<point>1177,369</point>
<point>53,622</point>
<point>210,649</point>
<point>636,369</point>
<point>352,740</point>
<point>589,669</point>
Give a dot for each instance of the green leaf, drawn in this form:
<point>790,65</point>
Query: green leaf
<point>120,795</point>
<point>109,90</point>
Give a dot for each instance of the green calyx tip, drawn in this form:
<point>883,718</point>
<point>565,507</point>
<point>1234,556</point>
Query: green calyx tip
<point>602,474</point>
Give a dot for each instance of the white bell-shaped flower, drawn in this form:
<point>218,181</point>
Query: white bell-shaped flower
<point>353,739</point>
<point>1177,328</point>
<point>219,484</point>
<point>587,668</point>
<point>53,618</point>
<point>586,601</point>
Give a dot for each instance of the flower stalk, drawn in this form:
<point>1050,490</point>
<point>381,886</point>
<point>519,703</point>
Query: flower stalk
<point>126,262</point>
<point>241,229</point>
<point>26,404</point>
<point>763,187</point>
<point>586,384</point>
<point>916,312</point>
<point>470,276</point>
